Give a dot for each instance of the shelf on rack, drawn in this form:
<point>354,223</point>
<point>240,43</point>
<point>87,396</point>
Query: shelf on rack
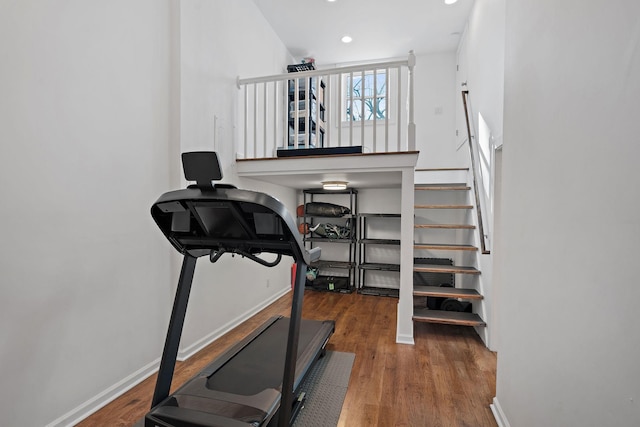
<point>379,266</point>
<point>324,239</point>
<point>346,216</point>
<point>379,215</point>
<point>364,241</point>
<point>332,264</point>
<point>385,292</point>
<point>394,242</point>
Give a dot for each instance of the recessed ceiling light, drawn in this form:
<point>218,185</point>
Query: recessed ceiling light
<point>450,1</point>
<point>331,1</point>
<point>346,39</point>
<point>334,185</point>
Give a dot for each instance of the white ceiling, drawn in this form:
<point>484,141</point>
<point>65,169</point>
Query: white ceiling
<point>380,29</point>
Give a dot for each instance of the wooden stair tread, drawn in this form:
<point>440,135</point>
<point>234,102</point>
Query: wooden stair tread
<point>445,292</point>
<point>443,207</point>
<point>434,268</point>
<point>462,226</point>
<point>444,247</point>
<point>442,187</point>
<point>447,317</point>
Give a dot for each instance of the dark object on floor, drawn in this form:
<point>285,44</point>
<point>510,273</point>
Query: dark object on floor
<point>452,304</point>
<point>433,279</point>
<point>435,303</point>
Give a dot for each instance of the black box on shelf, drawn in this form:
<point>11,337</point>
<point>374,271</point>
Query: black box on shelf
<point>305,66</point>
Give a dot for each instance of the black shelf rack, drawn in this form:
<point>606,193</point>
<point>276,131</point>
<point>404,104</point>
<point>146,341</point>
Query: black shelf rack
<point>364,266</point>
<point>348,264</point>
<point>311,112</point>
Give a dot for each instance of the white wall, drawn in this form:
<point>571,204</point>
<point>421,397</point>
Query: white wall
<point>570,342</point>
<point>480,60</point>
<point>481,69</point>
<point>435,111</point>
<point>220,41</point>
<point>484,40</point>
<point>98,100</point>
<point>84,125</point>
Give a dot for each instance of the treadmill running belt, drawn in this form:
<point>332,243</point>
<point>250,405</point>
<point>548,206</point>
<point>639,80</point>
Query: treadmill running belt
<point>260,365</point>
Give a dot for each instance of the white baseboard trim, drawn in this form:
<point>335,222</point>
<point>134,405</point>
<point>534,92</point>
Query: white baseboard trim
<point>97,402</point>
<point>189,351</point>
<point>498,414</point>
<point>82,411</point>
<point>404,339</point>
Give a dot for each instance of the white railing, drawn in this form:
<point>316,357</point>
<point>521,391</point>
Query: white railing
<point>275,115</point>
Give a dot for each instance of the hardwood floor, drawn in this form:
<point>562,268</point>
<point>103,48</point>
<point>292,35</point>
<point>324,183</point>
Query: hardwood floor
<point>446,379</point>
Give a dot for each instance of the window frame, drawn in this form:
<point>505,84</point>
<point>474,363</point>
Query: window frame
<point>385,96</point>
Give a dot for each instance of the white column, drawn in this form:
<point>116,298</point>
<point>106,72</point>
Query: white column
<point>404,331</point>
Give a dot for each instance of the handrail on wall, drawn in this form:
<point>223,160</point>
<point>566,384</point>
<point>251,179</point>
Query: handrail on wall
<point>483,237</point>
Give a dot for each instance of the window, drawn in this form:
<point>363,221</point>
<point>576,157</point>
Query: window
<point>365,98</point>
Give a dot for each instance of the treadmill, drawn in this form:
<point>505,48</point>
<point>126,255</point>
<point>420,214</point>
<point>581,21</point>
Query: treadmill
<point>257,381</point>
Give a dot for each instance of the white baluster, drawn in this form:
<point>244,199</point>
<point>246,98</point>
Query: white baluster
<point>411,137</point>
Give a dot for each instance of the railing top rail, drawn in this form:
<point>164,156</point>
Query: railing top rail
<point>483,237</point>
<point>325,71</point>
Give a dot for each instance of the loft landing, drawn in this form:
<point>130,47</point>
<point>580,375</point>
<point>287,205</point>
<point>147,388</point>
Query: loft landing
<point>367,170</point>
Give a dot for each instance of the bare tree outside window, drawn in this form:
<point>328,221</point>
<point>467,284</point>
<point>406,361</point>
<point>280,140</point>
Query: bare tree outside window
<point>366,104</point>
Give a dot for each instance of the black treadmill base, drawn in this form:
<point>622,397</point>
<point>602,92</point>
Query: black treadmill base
<point>242,385</point>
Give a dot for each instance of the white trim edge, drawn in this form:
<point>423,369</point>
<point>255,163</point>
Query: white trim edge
<point>189,351</point>
<point>100,400</point>
<point>498,414</point>
<point>404,339</point>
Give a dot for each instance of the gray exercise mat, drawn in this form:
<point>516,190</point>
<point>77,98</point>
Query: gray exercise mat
<point>325,388</point>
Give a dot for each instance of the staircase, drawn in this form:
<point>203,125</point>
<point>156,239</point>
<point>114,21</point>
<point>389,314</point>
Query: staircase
<point>444,234</point>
